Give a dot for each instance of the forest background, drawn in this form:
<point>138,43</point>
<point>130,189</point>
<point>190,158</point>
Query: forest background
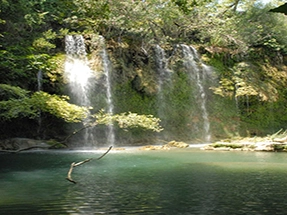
<point>243,42</point>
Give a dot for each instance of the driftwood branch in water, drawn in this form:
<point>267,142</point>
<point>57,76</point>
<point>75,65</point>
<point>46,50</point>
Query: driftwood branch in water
<point>69,176</point>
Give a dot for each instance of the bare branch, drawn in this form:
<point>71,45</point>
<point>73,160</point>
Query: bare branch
<point>69,176</point>
<point>75,132</point>
<point>105,153</point>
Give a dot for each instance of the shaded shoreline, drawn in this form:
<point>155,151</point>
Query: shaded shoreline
<point>236,144</point>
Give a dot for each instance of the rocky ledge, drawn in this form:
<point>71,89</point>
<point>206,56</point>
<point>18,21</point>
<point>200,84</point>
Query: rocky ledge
<point>249,144</point>
<point>168,146</point>
<point>15,144</point>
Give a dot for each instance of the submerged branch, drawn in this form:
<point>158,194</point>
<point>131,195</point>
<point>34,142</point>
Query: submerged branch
<point>82,162</point>
<point>69,176</point>
<point>105,153</point>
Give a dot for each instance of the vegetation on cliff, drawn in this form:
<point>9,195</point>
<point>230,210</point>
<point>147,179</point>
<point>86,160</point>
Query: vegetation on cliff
<point>245,44</point>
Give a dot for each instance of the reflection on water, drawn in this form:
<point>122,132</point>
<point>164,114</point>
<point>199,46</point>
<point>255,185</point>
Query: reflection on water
<point>136,182</point>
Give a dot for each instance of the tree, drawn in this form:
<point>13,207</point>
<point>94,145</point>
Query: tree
<point>239,37</point>
<point>18,103</point>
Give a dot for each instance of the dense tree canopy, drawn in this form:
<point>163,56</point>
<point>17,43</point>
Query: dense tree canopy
<point>241,38</point>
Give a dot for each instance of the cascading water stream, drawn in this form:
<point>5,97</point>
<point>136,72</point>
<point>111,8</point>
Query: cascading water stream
<point>110,107</point>
<point>79,75</point>
<point>39,79</point>
<point>161,68</point>
<point>164,76</point>
<point>198,70</point>
<point>82,80</point>
<point>39,87</point>
<point>237,99</point>
<point>77,71</point>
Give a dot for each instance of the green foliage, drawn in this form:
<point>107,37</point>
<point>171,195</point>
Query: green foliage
<point>280,147</point>
<point>128,99</point>
<point>251,42</point>
<point>8,92</point>
<point>37,62</point>
<point>129,120</point>
<point>55,67</point>
<point>17,103</point>
<point>15,108</point>
<point>22,105</point>
<point>187,6</point>
<point>44,43</point>
<point>247,79</point>
<point>227,145</point>
<point>58,106</point>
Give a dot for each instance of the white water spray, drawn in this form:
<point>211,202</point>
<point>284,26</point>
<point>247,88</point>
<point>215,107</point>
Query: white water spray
<point>163,74</point>
<point>77,70</point>
<point>162,67</point>
<point>163,82</point>
<point>39,85</point>
<point>110,107</point>
<point>39,79</point>
<point>198,71</point>
<point>78,75</point>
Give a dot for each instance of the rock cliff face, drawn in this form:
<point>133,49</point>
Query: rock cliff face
<point>185,87</point>
<point>170,82</point>
<point>21,143</point>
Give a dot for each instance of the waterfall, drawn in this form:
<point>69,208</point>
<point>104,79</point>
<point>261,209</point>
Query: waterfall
<point>77,70</point>
<point>161,64</point>
<point>39,79</point>
<point>84,84</point>
<point>79,75</point>
<point>162,67</point>
<point>164,74</point>
<point>198,72</point>
<point>163,80</point>
<point>110,107</point>
<point>39,86</point>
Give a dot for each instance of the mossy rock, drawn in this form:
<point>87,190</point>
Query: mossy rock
<point>227,145</point>
<point>177,144</point>
<point>55,144</point>
<point>280,147</point>
<point>152,147</point>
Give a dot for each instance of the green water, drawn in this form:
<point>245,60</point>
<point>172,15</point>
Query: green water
<point>144,182</point>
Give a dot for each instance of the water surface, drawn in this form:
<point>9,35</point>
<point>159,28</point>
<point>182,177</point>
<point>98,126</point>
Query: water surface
<point>187,181</point>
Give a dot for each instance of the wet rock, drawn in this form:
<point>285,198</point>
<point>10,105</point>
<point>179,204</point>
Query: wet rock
<point>20,143</point>
<point>152,147</point>
<point>169,145</point>
<point>177,144</point>
<point>222,149</point>
<point>262,145</point>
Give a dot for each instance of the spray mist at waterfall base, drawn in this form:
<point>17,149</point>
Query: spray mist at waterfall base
<point>89,88</point>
